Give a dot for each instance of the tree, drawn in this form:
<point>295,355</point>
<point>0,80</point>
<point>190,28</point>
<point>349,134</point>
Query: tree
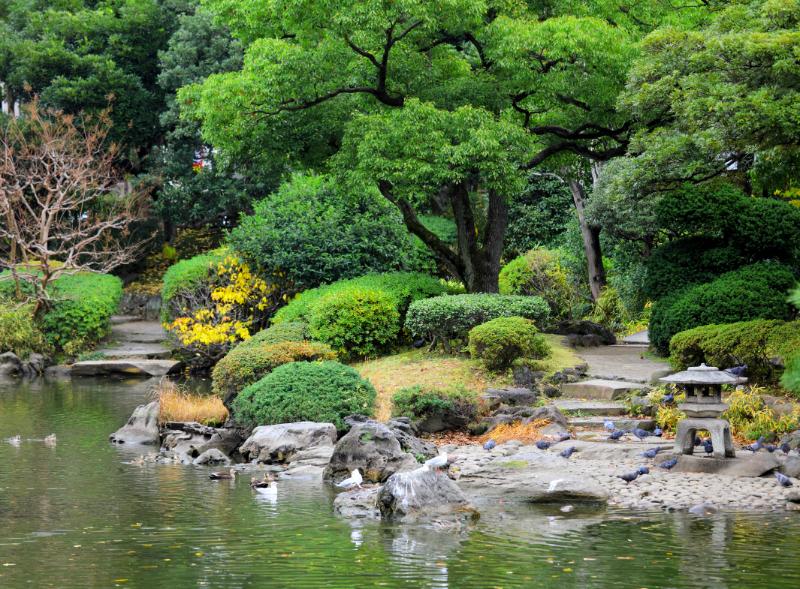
<point>60,200</point>
<point>539,80</point>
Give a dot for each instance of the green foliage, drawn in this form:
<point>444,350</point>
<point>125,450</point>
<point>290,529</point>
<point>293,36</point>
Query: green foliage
<point>791,354</point>
<point>539,272</point>
<point>609,311</point>
<point>288,331</point>
<point>420,403</point>
<point>752,292</point>
<point>499,342</point>
<point>356,322</point>
<point>186,277</point>
<point>751,417</point>
<point>312,234</point>
<point>755,343</point>
<point>18,330</point>
<point>305,391</point>
<point>421,258</point>
<point>246,364</point>
<point>449,317</point>
<point>668,416</point>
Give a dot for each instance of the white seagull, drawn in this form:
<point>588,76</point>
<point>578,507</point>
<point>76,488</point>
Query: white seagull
<point>436,462</point>
<point>15,440</point>
<point>354,481</point>
<point>50,440</point>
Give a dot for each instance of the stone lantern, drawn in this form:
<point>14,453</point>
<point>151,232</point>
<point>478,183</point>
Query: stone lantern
<point>703,407</point>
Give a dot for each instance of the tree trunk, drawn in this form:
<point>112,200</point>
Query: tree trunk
<point>591,241</point>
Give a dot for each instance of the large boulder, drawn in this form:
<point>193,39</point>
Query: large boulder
<point>371,447</point>
<point>10,364</point>
<point>185,442</point>
<point>406,433</point>
<point>566,490</point>
<point>525,415</point>
<point>423,494</point>
<point>494,398</point>
<point>358,503</point>
<point>142,427</point>
<point>282,443</point>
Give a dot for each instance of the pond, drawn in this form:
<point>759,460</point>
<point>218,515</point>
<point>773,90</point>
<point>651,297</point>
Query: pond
<point>80,515</point>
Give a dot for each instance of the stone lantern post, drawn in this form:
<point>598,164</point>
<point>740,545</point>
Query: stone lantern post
<point>703,407</point>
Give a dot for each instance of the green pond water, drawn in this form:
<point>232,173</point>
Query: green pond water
<point>78,515</point>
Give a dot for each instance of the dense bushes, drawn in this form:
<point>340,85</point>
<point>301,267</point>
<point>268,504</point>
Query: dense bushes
<point>452,407</point>
<point>753,292</point>
<point>791,375</point>
<point>182,280</point>
<point>501,341</point>
<point>289,331</point>
<point>754,343</point>
<point>449,317</point>
<point>539,272</point>
<point>18,330</point>
<point>246,364</point>
<point>305,391</point>
<point>356,321</point>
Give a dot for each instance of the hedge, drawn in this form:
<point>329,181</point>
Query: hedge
<point>448,317</point>
<point>758,291</point>
<point>305,391</point>
<point>501,341</point>
<point>18,331</point>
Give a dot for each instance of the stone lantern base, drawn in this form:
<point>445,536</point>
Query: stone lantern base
<point>719,429</point>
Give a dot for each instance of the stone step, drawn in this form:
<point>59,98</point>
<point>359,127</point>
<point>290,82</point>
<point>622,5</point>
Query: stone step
<point>142,332</point>
<point>639,338</point>
<point>598,388</point>
<point>136,350</point>
<point>568,406</point>
<point>595,422</point>
<point>133,367</point>
<point>118,319</point>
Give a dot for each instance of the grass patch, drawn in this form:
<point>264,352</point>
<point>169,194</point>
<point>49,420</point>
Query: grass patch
<point>177,404</point>
<point>561,356</point>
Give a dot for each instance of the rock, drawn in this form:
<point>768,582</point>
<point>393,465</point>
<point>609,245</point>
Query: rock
<point>744,465</point>
<point>58,371</point>
<point>791,466</point>
<point>584,328</point>
<point>145,306</point>
<point>566,490</point>
<point>371,447</point>
<point>585,341</point>
<point>423,494</point>
<point>358,503</point>
<point>406,434</point>
<point>210,457</point>
<point>282,442</point>
<point>514,397</point>
<point>142,427</point>
<point>792,438</point>
<point>10,364</point>
<point>550,391</point>
<point>703,509</point>
<point>525,376</point>
<point>132,367</point>
<point>568,375</point>
<point>184,442</point>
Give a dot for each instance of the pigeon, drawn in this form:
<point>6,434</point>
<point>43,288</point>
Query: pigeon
<point>786,448</point>
<point>223,475</point>
<point>651,453</point>
<point>640,433</point>
<point>783,479</point>
<point>668,464</point>
<point>489,445</point>
<point>669,399</point>
<point>756,446</point>
<point>698,441</point>
<point>354,480</point>
<point>568,452</point>
<point>658,432</point>
<point>418,343</point>
<point>643,470</point>
<point>708,447</point>
<point>737,370</point>
<point>563,437</point>
<point>770,448</point>
<point>617,434</point>
<point>609,425</point>
<point>543,445</point>
<point>629,477</point>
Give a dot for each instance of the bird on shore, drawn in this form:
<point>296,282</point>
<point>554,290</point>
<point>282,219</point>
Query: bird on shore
<point>568,452</point>
<point>50,440</point>
<point>354,480</point>
<point>739,371</point>
<point>640,433</point>
<point>668,464</point>
<point>669,399</point>
<point>786,448</point>
<point>783,479</point>
<point>609,425</point>
<point>770,448</point>
<point>617,434</point>
<point>563,437</point>
<point>629,477</point>
<point>15,440</point>
<point>418,343</point>
<point>756,446</point>
<point>437,462</point>
<point>651,453</point>
<point>708,447</point>
<point>223,475</point>
<point>643,470</point>
<point>543,444</point>
<point>658,432</point>
<point>489,445</point>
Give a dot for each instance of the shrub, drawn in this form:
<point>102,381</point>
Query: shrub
<point>609,311</point>
<point>246,364</point>
<point>356,321</point>
<point>501,341</point>
<point>182,280</point>
<point>539,272</point>
<point>289,331</point>
<point>18,330</point>
<point>753,292</point>
<point>455,405</point>
<point>750,417</point>
<point>448,317</point>
<point>668,416</point>
<point>754,343</point>
<point>300,391</point>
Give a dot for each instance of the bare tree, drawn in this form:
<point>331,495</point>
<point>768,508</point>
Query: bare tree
<point>60,207</point>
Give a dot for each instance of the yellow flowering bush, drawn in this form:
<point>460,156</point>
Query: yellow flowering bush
<point>222,311</point>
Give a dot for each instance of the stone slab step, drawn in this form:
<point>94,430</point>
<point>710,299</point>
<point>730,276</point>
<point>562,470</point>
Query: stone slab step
<point>133,367</point>
<point>142,332</point>
<point>595,422</point>
<point>599,388</point>
<point>136,351</point>
<point>639,338</point>
<point>118,319</point>
<point>590,407</point>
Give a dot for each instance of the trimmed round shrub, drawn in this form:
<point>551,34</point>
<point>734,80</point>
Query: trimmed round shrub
<point>356,322</point>
<point>758,291</point>
<point>244,365</point>
<point>449,317</point>
<point>539,272</point>
<point>501,341</point>
<point>305,391</point>
<point>289,331</point>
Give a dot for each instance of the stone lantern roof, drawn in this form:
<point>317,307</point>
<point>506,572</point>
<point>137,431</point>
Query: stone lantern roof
<point>701,375</point>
